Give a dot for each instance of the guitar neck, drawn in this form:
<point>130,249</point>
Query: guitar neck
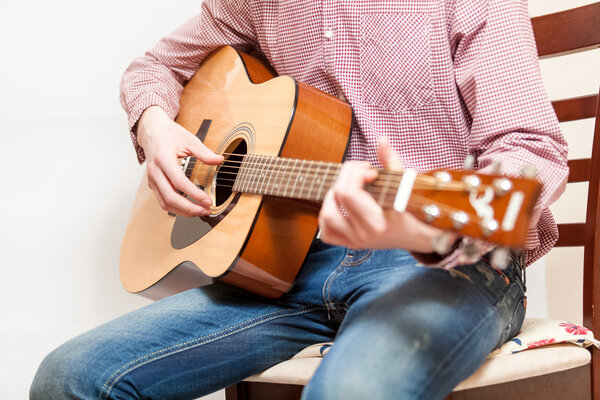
<point>304,179</point>
<point>493,207</point>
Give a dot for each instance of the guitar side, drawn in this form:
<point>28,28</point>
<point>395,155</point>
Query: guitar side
<point>261,243</point>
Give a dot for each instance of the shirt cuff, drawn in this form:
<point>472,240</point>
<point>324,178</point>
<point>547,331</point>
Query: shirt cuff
<point>145,101</point>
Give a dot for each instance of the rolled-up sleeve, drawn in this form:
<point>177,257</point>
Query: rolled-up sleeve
<point>512,121</point>
<point>157,78</point>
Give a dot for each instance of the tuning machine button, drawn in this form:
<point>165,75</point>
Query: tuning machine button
<point>459,219</point>
<point>432,212</point>
<point>471,182</point>
<point>497,167</point>
<point>500,258</point>
<point>442,178</point>
<point>469,162</point>
<point>489,227</point>
<point>528,171</point>
<point>469,253</point>
<point>502,186</point>
<point>442,243</point>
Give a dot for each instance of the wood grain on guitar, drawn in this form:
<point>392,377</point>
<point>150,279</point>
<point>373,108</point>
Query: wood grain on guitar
<point>283,142</point>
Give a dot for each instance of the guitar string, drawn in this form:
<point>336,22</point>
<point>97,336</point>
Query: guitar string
<point>373,193</point>
<point>416,203</point>
<point>390,175</point>
<point>381,180</point>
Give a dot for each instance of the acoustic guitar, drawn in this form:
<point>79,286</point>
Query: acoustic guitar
<point>283,142</point>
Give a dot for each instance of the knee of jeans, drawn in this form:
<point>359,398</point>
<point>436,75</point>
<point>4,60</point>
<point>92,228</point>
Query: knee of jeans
<point>351,382</point>
<point>63,375</point>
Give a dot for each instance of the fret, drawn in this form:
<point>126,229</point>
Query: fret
<point>386,185</point>
<point>257,173</point>
<point>324,177</point>
<point>310,179</point>
<point>294,174</point>
<point>273,165</point>
<point>302,178</point>
<point>249,176</point>
<point>288,174</point>
<point>265,173</point>
<point>277,185</point>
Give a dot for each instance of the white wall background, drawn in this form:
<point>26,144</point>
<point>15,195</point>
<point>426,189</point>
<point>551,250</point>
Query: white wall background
<point>69,172</point>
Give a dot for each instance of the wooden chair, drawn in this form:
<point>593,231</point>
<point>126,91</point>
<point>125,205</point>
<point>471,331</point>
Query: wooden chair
<point>556,34</point>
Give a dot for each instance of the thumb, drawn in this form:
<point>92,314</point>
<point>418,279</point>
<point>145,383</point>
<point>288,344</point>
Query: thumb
<point>203,153</point>
<point>387,156</point>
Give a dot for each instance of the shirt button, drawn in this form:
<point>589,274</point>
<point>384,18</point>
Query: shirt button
<point>329,34</point>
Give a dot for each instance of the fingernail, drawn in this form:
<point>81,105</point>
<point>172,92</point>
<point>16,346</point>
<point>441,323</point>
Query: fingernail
<point>206,203</point>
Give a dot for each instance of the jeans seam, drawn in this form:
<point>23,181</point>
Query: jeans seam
<point>187,345</point>
<point>326,285</point>
<point>359,261</point>
<point>338,271</point>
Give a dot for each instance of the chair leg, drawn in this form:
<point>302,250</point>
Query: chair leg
<point>263,391</point>
<point>235,392</point>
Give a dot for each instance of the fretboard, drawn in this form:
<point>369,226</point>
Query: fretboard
<point>302,179</point>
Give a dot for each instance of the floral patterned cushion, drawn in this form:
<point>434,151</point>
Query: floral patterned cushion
<point>537,332</point>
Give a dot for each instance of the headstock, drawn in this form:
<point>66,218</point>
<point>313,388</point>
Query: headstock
<point>494,208</point>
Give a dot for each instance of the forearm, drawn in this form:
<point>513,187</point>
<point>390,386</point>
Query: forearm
<point>157,78</point>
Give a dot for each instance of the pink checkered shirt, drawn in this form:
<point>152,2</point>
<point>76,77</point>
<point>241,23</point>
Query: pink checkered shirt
<point>440,78</point>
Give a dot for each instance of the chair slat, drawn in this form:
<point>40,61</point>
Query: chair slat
<point>579,170</point>
<point>576,108</point>
<point>567,31</point>
<point>571,235</point>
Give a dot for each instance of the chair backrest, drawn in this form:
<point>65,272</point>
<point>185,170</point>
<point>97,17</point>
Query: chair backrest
<point>561,33</point>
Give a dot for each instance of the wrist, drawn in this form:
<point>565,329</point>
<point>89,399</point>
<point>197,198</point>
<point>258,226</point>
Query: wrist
<point>149,119</point>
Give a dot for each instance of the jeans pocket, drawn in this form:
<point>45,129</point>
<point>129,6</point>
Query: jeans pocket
<point>395,60</point>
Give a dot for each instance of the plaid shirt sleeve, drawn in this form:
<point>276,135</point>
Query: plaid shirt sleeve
<point>512,120</point>
<point>157,77</point>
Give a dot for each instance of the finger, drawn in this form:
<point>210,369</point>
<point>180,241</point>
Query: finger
<point>180,204</point>
<point>178,180</point>
<point>335,228</point>
<point>389,159</point>
<point>203,153</point>
<point>163,204</point>
<point>366,216</point>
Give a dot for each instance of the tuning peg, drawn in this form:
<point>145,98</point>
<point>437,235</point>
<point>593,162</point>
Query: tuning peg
<point>501,186</point>
<point>442,178</point>
<point>459,219</point>
<point>469,253</point>
<point>488,227</point>
<point>432,212</point>
<point>471,182</point>
<point>497,167</point>
<point>469,162</point>
<point>528,171</point>
<point>442,243</point>
<point>500,258</point>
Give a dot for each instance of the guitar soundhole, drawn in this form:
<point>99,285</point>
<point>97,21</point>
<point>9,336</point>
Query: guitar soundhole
<point>228,170</point>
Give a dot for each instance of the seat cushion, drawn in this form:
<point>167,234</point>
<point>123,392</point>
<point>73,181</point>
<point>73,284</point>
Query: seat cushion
<point>508,363</point>
<point>534,362</point>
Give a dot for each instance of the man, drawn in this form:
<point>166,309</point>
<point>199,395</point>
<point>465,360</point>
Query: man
<point>439,80</point>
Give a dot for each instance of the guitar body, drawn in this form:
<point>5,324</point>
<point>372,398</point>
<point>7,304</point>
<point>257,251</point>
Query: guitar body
<point>255,242</point>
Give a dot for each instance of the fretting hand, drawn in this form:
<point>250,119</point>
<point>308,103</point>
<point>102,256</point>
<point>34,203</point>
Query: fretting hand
<point>367,225</point>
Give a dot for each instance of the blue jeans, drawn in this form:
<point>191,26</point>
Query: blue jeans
<point>401,330</point>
